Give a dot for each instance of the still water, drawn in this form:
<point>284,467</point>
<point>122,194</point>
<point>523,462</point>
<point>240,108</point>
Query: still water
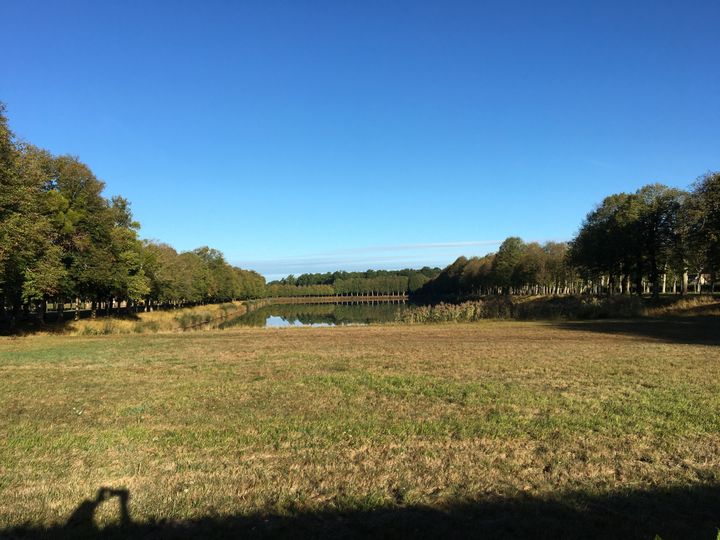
<point>279,315</point>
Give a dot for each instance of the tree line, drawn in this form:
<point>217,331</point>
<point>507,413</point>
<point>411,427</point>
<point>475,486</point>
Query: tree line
<point>516,268</point>
<point>652,241</point>
<point>656,240</point>
<point>341,283</point>
<point>62,240</point>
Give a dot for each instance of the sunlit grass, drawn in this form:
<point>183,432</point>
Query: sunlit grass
<point>281,420</point>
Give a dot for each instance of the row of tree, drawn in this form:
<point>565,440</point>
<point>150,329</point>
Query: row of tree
<point>370,282</point>
<point>656,240</point>
<point>517,268</point>
<point>198,276</point>
<point>277,289</point>
<point>61,240</point>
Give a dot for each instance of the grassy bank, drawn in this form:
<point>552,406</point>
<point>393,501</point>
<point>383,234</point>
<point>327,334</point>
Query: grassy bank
<point>504,308</point>
<point>168,320</point>
<point>513,429</point>
<point>562,307</point>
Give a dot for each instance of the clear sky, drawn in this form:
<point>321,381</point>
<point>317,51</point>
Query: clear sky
<point>310,135</point>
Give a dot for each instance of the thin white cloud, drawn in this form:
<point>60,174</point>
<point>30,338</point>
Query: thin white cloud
<point>412,247</point>
<point>362,258</point>
<point>600,163</point>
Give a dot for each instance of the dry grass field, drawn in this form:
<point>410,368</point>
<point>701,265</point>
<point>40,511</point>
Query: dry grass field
<point>494,429</point>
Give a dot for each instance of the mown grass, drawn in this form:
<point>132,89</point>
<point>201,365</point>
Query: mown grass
<point>303,420</point>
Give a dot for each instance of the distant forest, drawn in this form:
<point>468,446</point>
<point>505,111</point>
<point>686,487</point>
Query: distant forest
<point>370,282</point>
<point>654,241</point>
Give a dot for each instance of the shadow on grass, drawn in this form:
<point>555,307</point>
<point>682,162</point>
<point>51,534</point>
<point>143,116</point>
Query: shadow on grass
<point>51,325</point>
<point>686,330</point>
<point>688,513</point>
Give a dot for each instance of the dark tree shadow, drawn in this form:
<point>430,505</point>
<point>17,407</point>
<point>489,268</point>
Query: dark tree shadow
<point>680,513</point>
<point>686,330</point>
<point>29,324</point>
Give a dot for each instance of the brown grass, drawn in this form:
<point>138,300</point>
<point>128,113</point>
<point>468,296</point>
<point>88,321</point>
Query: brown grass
<point>159,321</point>
<point>294,420</point>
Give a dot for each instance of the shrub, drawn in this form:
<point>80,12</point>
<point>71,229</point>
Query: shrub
<point>146,326</point>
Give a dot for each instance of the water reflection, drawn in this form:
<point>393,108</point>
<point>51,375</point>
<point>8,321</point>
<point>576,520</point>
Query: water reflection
<point>279,315</point>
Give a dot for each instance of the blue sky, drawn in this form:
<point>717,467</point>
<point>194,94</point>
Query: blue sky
<point>310,136</point>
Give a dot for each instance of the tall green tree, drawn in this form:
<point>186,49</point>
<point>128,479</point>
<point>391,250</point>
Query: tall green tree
<point>658,228</point>
<point>506,262</point>
<point>706,231</point>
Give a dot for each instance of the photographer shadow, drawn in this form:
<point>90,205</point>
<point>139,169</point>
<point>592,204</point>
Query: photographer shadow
<point>84,515</point>
<point>688,512</point>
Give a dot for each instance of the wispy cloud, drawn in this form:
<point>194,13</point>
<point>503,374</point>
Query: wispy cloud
<point>413,247</point>
<point>362,258</point>
<point>600,163</point>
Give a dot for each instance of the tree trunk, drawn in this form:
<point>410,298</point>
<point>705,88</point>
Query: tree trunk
<point>16,308</point>
<point>654,280</point>
<point>41,309</point>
